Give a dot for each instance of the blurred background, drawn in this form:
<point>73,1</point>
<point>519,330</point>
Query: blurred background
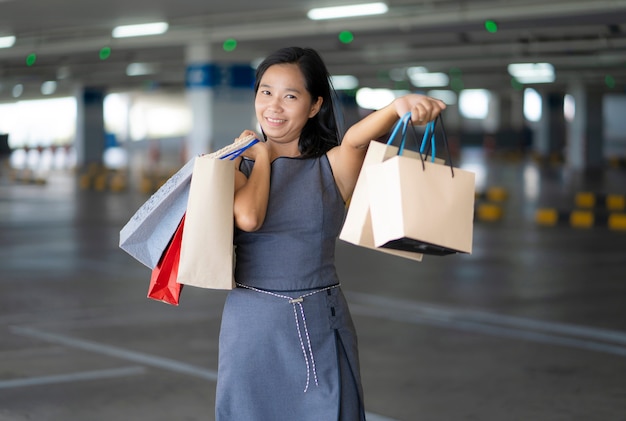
<point>101,102</point>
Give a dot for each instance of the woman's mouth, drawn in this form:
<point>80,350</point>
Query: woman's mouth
<point>274,120</point>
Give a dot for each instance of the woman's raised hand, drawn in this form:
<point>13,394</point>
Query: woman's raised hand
<point>256,149</point>
<point>423,108</point>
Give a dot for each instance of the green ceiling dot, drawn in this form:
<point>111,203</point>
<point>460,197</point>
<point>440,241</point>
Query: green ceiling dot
<point>346,37</point>
<point>457,84</point>
<point>491,26</point>
<point>30,59</point>
<point>230,44</point>
<point>609,81</point>
<point>105,53</point>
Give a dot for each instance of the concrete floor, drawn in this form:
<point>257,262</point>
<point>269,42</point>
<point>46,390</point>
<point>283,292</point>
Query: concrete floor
<point>531,326</point>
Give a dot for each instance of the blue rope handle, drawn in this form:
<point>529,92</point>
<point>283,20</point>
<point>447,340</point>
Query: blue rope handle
<point>430,129</point>
<point>237,152</point>
<point>402,123</point>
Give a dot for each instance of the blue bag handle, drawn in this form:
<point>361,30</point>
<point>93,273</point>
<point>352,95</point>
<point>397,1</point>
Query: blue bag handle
<point>429,132</point>
<point>430,129</point>
<point>403,122</point>
<point>237,152</point>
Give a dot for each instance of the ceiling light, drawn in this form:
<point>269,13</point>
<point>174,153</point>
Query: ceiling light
<point>430,80</point>
<point>344,82</point>
<point>336,12</point>
<point>49,87</point>
<point>140,69</point>
<point>125,31</point>
<point>532,72</point>
<point>7,42</point>
<point>374,99</point>
<point>447,96</point>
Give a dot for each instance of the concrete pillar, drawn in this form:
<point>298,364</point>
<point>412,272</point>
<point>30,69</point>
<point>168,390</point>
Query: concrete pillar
<point>90,136</point>
<point>549,132</point>
<point>585,133</point>
<point>576,128</point>
<point>556,123</point>
<point>201,78</point>
<point>221,99</point>
<point>595,131</point>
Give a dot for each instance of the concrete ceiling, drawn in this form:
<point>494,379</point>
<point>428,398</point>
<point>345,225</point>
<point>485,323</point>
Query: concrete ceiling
<point>585,40</point>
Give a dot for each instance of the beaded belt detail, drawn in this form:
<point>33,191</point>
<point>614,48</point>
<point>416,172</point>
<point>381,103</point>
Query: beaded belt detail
<point>309,360</point>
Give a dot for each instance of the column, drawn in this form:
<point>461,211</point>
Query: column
<point>585,134</point>
<point>90,135</point>
<point>549,132</point>
<point>201,78</point>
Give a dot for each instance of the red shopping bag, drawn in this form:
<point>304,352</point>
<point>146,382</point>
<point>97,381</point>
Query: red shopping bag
<point>163,286</point>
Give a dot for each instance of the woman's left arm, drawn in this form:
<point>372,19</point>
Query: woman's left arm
<point>346,159</point>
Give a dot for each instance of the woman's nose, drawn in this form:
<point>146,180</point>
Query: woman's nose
<point>275,104</point>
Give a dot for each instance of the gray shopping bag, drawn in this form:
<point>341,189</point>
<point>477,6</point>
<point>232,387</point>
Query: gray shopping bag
<point>148,232</point>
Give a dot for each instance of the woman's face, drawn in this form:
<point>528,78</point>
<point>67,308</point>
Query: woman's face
<point>283,105</point>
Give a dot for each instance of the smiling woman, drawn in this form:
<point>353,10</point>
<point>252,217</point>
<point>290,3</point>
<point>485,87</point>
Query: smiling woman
<point>288,348</point>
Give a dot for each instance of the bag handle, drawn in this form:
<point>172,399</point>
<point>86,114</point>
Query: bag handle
<point>429,131</point>
<point>432,141</point>
<point>403,122</point>
<point>237,152</point>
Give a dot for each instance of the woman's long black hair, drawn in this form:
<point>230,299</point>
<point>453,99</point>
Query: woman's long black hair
<point>321,132</point>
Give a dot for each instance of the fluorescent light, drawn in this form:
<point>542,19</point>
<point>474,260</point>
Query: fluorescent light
<point>7,42</point>
<point>18,90</point>
<point>474,103</point>
<point>125,31</point>
<point>447,96</point>
<point>430,80</point>
<point>49,87</point>
<point>374,99</point>
<point>140,69</point>
<point>532,72</point>
<point>344,82</point>
<point>364,9</point>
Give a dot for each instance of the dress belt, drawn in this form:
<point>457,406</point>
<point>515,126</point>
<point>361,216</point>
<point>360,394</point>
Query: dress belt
<point>310,366</point>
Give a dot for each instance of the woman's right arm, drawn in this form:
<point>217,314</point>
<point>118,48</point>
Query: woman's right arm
<point>252,193</point>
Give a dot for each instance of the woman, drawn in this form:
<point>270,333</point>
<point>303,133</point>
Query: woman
<point>288,348</point>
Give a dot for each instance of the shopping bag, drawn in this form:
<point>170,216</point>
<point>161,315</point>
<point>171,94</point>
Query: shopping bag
<point>148,232</point>
<point>163,286</point>
<point>207,256</point>
<point>420,205</point>
<point>357,227</point>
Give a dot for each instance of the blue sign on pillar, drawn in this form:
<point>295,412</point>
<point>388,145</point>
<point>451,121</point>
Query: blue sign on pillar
<point>241,76</point>
<point>203,76</point>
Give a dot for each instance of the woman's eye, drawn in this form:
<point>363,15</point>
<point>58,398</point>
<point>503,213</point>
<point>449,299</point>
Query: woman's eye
<point>290,97</point>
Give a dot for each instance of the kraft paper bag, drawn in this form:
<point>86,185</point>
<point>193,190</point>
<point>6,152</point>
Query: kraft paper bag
<point>357,227</point>
<point>421,206</point>
<point>207,256</point>
<point>148,232</point>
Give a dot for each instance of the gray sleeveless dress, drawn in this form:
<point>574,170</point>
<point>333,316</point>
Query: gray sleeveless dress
<point>288,348</point>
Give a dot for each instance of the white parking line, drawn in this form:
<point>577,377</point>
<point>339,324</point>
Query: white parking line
<point>111,351</point>
<point>150,360</point>
<point>581,337</point>
<point>72,377</point>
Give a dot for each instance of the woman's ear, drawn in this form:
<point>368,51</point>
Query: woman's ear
<point>315,107</point>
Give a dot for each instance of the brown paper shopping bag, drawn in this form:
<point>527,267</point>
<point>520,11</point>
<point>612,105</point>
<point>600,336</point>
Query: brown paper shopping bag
<point>421,206</point>
<point>357,227</point>
<point>206,256</point>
